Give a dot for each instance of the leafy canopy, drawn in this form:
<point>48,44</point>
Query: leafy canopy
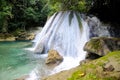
<point>76,5</point>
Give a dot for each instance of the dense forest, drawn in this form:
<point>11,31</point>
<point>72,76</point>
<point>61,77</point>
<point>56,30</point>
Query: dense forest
<point>23,14</point>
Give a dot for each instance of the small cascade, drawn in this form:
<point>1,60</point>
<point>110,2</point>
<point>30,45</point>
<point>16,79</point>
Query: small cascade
<point>67,32</point>
<point>97,29</point>
<point>62,35</point>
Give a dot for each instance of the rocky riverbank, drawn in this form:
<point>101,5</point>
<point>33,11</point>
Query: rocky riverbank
<point>104,67</point>
<point>6,37</point>
<point>20,35</point>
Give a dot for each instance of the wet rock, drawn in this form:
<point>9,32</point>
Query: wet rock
<point>53,57</point>
<point>102,45</point>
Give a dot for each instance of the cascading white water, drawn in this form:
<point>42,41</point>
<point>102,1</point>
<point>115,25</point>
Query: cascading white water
<point>62,32</point>
<point>97,29</point>
<point>64,36</point>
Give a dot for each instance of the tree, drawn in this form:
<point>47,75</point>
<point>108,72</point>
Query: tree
<point>22,14</point>
<point>76,5</point>
<point>27,13</point>
<point>5,15</point>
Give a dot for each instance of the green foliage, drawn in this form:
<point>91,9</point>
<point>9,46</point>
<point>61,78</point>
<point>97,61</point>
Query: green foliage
<point>28,13</point>
<point>22,14</point>
<point>76,5</point>
<point>5,15</point>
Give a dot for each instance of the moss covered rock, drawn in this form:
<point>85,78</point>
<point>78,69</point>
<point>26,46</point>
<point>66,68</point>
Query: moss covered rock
<point>102,45</point>
<point>104,68</point>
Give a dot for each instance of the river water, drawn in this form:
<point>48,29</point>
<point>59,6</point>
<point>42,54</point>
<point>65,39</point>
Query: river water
<point>15,61</point>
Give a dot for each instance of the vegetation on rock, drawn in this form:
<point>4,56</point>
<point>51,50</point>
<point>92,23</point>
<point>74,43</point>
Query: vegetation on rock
<point>102,45</point>
<point>100,69</point>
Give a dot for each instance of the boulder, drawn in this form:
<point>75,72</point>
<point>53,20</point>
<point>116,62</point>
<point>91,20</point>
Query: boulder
<point>102,45</point>
<point>53,57</point>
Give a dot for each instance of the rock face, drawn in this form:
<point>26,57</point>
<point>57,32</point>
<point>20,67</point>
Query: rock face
<point>102,45</point>
<point>54,57</point>
<point>18,36</point>
<point>25,36</point>
<point>6,37</point>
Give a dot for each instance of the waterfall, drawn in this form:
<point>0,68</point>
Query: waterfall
<point>67,32</point>
<point>97,28</point>
<point>62,35</point>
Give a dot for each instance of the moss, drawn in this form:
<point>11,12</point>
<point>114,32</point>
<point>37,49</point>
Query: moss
<point>100,63</point>
<point>91,76</point>
<point>95,44</point>
<point>115,54</point>
<point>76,75</point>
<point>94,69</point>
